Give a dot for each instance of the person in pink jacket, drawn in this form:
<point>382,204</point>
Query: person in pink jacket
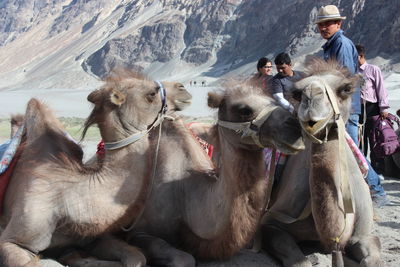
<point>374,101</point>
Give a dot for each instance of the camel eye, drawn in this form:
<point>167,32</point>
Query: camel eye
<point>296,94</point>
<point>346,90</point>
<point>150,97</point>
<point>244,111</point>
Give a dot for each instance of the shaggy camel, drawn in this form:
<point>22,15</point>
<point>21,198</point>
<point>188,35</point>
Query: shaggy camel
<point>214,218</point>
<point>54,200</point>
<point>313,178</point>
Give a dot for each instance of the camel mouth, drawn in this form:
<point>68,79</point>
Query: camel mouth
<point>290,148</point>
<point>314,127</point>
<point>186,102</point>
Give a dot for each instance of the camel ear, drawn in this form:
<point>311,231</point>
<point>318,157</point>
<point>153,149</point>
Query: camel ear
<point>117,97</point>
<point>214,99</point>
<point>95,96</point>
<point>179,85</point>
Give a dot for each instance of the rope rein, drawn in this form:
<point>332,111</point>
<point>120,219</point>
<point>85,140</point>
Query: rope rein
<point>153,175</point>
<point>344,184</point>
<point>135,137</point>
<point>343,167</point>
<point>250,128</point>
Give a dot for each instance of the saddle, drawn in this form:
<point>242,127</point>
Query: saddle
<point>8,162</point>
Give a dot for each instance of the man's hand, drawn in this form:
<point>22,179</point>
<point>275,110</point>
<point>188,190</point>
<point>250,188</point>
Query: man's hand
<point>384,114</point>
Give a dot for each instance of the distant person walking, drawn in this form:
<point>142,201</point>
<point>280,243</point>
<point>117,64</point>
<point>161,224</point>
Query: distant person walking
<point>340,48</point>
<point>282,82</point>
<point>264,74</point>
<point>374,101</point>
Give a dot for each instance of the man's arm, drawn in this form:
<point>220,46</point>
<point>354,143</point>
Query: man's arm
<point>277,94</point>
<point>283,102</point>
<point>381,92</point>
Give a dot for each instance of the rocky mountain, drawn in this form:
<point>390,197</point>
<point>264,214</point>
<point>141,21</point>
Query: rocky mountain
<point>73,43</point>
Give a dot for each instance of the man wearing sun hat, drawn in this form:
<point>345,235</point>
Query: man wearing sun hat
<point>342,49</point>
<point>339,47</point>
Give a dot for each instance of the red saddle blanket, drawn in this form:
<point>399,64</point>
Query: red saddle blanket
<point>5,179</point>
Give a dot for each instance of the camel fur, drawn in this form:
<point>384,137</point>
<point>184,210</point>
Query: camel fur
<point>53,199</point>
<point>312,177</point>
<point>190,216</point>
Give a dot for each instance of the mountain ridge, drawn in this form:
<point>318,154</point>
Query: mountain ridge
<point>73,44</point>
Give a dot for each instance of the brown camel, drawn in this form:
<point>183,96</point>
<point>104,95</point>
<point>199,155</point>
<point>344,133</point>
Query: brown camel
<point>53,199</point>
<point>311,202</point>
<point>214,218</point>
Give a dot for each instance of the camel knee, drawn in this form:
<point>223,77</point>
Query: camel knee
<point>134,259</point>
<point>12,255</point>
<point>283,246</point>
<point>366,250</point>
<point>372,262</point>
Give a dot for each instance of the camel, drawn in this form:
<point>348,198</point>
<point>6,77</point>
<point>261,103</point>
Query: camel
<point>311,202</point>
<point>53,199</point>
<point>189,216</point>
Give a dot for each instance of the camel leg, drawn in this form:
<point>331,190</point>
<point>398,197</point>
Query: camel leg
<point>76,259</point>
<point>366,250</point>
<point>13,255</point>
<point>111,248</point>
<point>159,252</point>
<point>23,237</point>
<point>283,246</point>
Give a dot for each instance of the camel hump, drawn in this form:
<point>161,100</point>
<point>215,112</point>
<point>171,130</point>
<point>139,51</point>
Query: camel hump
<point>39,118</point>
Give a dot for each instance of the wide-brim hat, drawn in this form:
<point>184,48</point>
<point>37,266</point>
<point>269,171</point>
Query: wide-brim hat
<point>329,12</point>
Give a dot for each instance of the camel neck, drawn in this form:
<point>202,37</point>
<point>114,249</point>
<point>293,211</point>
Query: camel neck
<point>240,190</point>
<point>326,197</point>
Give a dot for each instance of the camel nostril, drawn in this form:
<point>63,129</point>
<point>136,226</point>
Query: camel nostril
<point>311,123</point>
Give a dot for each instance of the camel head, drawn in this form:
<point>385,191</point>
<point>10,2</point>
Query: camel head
<point>241,110</point>
<point>327,87</point>
<point>178,98</point>
<point>127,103</point>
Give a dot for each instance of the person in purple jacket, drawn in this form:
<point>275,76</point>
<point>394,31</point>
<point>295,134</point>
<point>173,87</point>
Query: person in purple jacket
<point>374,98</point>
<point>340,48</point>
